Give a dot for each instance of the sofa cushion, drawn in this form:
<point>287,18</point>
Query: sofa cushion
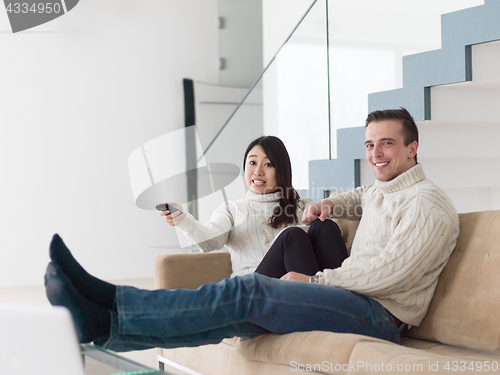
<point>420,358</point>
<point>222,359</point>
<point>465,308</point>
<point>348,229</point>
<point>316,351</point>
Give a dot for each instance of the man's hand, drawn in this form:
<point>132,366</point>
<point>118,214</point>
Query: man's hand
<point>319,210</point>
<point>295,276</point>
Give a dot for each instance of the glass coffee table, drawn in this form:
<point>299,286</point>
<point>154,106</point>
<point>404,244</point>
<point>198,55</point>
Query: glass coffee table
<point>100,361</point>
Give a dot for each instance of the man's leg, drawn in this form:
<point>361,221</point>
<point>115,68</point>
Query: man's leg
<point>91,320</point>
<point>96,323</point>
<point>92,288</point>
<point>246,306</point>
<point>243,306</point>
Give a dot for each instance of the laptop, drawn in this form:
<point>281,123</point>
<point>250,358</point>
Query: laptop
<point>38,340</point>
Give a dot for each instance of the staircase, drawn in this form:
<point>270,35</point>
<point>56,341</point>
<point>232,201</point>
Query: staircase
<point>454,95</point>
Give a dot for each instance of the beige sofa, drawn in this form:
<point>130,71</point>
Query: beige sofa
<point>460,333</point>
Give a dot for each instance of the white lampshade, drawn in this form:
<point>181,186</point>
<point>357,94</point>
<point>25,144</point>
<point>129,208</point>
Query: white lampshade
<point>160,169</point>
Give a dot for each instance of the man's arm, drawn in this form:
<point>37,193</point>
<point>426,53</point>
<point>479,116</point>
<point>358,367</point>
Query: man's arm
<point>321,210</point>
<point>345,205</point>
<point>419,245</point>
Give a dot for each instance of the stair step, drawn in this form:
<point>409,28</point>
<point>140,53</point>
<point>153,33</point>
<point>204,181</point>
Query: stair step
<point>462,139</point>
<point>485,61</point>
<point>452,179</point>
<point>478,199</point>
<point>467,101</point>
<point>452,173</point>
<point>458,145</point>
<point>463,173</point>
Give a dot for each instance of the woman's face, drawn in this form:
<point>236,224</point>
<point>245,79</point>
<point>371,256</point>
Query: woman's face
<point>260,174</point>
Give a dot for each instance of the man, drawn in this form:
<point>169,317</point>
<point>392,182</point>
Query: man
<point>407,231</point>
<point>408,226</point>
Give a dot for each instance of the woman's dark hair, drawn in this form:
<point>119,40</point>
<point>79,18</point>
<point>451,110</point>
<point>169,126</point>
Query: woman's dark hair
<point>275,150</point>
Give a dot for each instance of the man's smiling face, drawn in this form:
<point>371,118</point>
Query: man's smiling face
<point>386,151</point>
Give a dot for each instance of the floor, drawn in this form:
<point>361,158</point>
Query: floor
<point>35,295</point>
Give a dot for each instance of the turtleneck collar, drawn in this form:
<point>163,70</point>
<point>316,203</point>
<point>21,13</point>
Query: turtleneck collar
<point>272,197</point>
<point>411,176</point>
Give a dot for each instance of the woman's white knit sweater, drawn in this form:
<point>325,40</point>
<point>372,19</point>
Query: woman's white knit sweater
<point>408,229</point>
<point>242,226</point>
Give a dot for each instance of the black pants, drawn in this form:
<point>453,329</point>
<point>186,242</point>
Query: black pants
<point>322,247</point>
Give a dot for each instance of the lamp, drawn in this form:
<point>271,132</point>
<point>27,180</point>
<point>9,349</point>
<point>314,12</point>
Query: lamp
<point>166,169</point>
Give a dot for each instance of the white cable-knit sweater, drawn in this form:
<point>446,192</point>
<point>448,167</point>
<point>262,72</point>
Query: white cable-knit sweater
<point>242,226</point>
<point>408,229</point>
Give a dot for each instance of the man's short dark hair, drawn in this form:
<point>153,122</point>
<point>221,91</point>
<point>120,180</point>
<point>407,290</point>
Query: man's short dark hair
<point>409,128</point>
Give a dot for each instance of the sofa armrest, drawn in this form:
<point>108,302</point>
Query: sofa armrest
<point>191,270</point>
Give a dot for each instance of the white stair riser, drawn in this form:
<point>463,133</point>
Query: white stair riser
<point>452,178</point>
<point>465,102</point>
<point>452,173</point>
<point>474,199</point>
<point>462,140</point>
<point>463,173</point>
<point>485,62</point>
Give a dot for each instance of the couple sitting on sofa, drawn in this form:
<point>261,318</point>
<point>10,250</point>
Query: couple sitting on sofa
<point>407,231</point>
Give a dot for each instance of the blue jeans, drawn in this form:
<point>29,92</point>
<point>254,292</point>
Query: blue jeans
<point>245,306</point>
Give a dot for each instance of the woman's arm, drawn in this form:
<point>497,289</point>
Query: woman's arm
<point>212,235</point>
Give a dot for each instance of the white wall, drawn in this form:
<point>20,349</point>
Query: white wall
<point>77,96</point>
<point>240,42</point>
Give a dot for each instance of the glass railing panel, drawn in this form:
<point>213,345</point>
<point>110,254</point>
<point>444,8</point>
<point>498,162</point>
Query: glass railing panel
<point>294,85</point>
<point>296,94</point>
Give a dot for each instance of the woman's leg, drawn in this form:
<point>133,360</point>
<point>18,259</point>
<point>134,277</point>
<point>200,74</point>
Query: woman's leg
<point>322,247</point>
<point>292,251</point>
<point>329,246</point>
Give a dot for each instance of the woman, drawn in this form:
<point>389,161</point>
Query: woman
<point>247,227</point>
